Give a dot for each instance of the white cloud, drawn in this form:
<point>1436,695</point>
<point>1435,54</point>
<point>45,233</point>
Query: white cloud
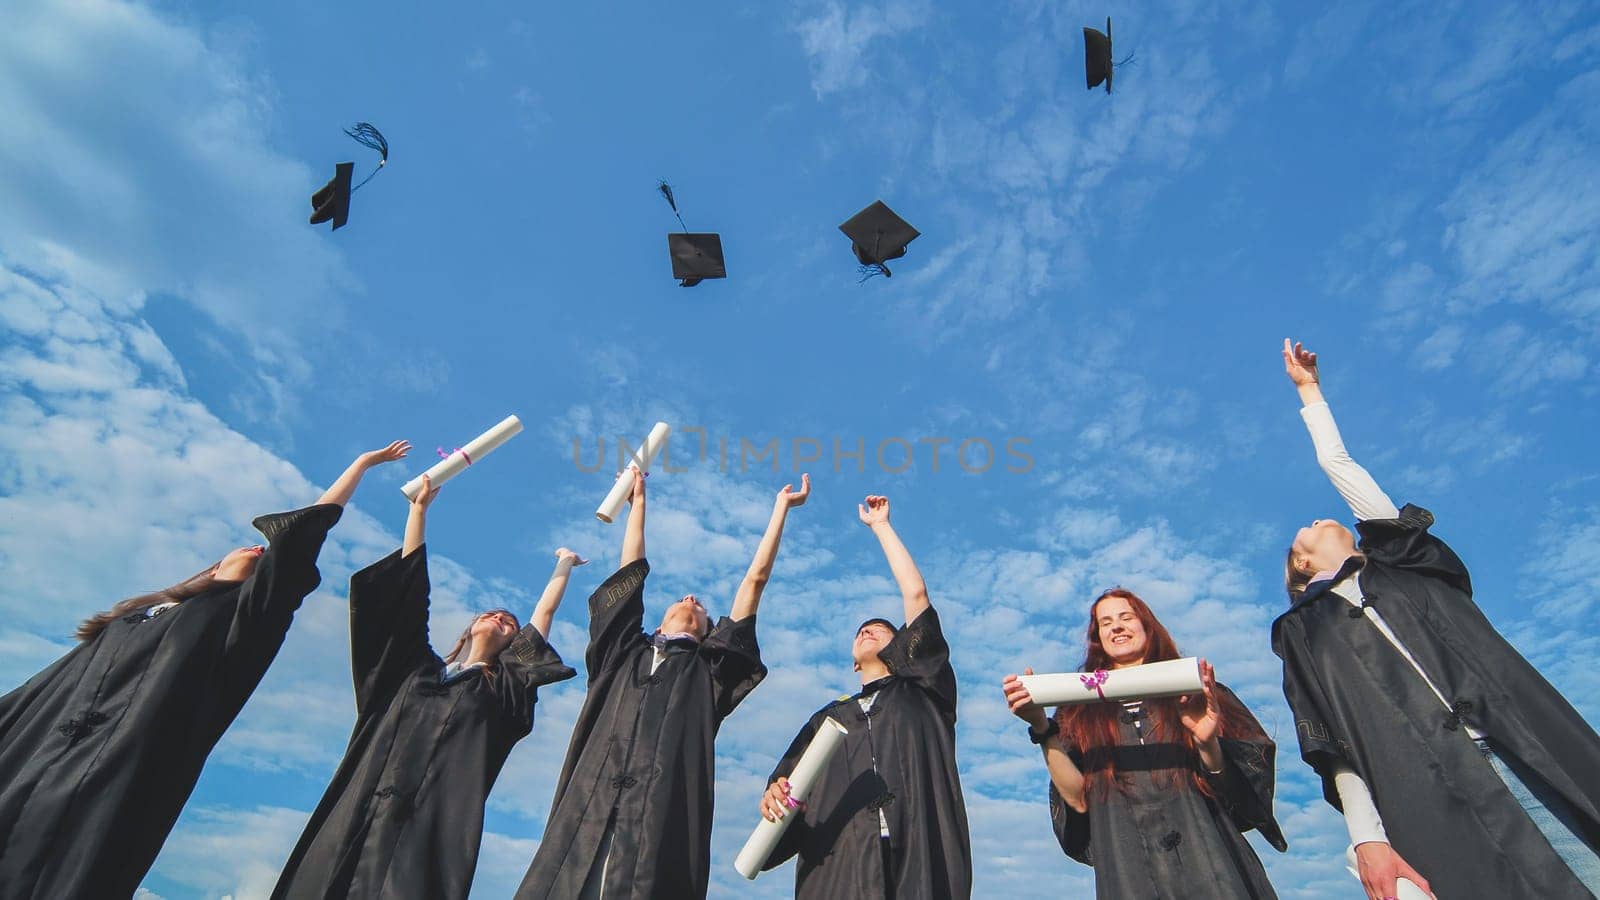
<point>837,39</point>
<point>163,179</point>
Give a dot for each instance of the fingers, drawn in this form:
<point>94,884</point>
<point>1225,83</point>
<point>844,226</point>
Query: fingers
<point>1404,870</point>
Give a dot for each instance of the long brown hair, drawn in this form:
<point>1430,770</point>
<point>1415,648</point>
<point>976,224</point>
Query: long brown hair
<point>465,640</point>
<point>199,583</point>
<point>1094,727</point>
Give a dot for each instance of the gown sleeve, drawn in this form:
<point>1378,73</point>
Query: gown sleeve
<point>1070,826</point>
<point>1406,543</point>
<point>616,616</point>
<point>735,661</point>
<point>388,624</point>
<point>919,653</point>
<point>1246,783</point>
<point>285,574</point>
<point>526,665</point>
<point>1322,746</point>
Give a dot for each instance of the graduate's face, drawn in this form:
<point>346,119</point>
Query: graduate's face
<point>687,615</point>
<point>492,632</point>
<point>1121,632</point>
<point>1322,545</point>
<point>871,639</point>
<point>239,564</point>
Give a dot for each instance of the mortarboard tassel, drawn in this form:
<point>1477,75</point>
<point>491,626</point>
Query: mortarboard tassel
<point>871,269</point>
<point>666,191</point>
<point>367,134</point>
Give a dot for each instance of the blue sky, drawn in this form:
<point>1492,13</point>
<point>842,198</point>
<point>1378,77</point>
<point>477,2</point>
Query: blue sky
<point>1412,190</point>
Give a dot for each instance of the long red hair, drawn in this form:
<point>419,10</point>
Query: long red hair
<point>1095,729</point>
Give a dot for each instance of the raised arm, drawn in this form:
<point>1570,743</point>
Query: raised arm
<point>633,532</point>
<point>417,519</point>
<point>1358,488</point>
<point>545,612</point>
<point>746,601</point>
<point>340,492</point>
<point>913,590</point>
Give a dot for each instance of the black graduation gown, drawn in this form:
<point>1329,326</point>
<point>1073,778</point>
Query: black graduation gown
<point>1153,834</point>
<point>643,750</point>
<point>911,732</point>
<point>1356,699</point>
<point>404,814</point>
<point>101,750</point>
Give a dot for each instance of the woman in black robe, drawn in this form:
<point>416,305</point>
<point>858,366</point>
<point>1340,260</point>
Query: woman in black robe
<point>101,750</point>
<point>1456,765</point>
<point>1155,795</point>
<point>404,814</point>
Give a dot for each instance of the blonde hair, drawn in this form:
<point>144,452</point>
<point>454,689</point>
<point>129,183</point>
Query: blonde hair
<point>1294,580</point>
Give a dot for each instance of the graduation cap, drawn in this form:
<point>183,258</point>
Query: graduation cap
<point>1097,63</point>
<point>876,236</point>
<point>331,202</point>
<point>695,256</point>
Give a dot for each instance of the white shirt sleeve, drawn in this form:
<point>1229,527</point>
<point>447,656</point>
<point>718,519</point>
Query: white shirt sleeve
<point>1354,484</point>
<point>1360,815</point>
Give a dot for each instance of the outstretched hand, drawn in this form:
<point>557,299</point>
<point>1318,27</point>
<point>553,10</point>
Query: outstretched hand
<point>563,553</point>
<point>789,498</point>
<point>396,450</point>
<point>425,494</point>
<point>875,512</point>
<point>1299,363</point>
<point>637,494</point>
<point>1021,702</point>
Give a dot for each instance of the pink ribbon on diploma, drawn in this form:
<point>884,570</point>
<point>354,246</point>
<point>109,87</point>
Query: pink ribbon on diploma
<point>1093,682</point>
<point>444,455</point>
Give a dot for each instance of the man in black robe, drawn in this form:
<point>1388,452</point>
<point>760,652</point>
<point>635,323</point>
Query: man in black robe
<point>99,752</point>
<point>886,817</point>
<point>1359,703</point>
<point>632,811</point>
<point>403,816</point>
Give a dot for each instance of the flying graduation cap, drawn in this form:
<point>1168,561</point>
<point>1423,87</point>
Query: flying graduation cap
<point>695,257</point>
<point>1097,62</point>
<point>332,200</point>
<point>876,236</point>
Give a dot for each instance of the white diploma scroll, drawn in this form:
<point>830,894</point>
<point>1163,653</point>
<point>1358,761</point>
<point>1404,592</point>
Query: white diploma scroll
<point>624,485</point>
<point>457,461</point>
<point>767,834</point>
<point>1403,889</point>
<point>1146,682</point>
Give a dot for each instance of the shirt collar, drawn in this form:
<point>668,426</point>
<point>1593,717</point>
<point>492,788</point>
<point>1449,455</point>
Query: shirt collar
<point>457,670</point>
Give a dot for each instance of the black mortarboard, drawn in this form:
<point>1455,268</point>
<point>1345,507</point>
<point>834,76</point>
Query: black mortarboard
<point>696,256</point>
<point>876,236</point>
<point>1097,56</point>
<point>332,200</point>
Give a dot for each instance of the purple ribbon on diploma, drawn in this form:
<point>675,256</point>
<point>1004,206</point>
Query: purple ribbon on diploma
<point>1094,681</point>
<point>444,455</point>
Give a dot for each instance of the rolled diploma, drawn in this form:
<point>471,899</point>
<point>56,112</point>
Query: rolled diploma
<point>645,455</point>
<point>1151,680</point>
<point>457,462</point>
<point>767,834</point>
<point>1404,889</point>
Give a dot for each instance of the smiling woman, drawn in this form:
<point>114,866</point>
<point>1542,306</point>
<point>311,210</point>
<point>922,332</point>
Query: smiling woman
<point>1156,795</point>
<point>102,748</point>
